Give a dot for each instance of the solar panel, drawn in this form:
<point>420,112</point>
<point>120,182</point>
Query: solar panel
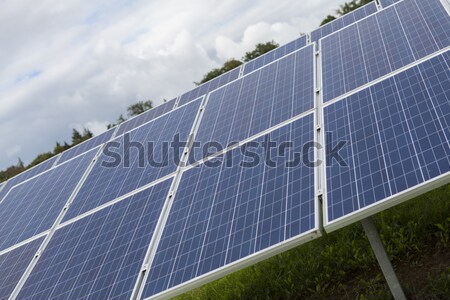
<point>33,206</point>
<point>398,139</point>
<point>386,3</point>
<point>382,43</point>
<point>145,117</point>
<point>86,146</point>
<point>209,86</point>
<point>224,214</point>
<point>275,54</point>
<point>344,21</point>
<point>258,101</point>
<point>45,165</point>
<point>107,182</point>
<point>13,264</point>
<point>100,255</point>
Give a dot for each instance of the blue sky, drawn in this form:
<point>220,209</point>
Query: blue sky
<point>73,64</point>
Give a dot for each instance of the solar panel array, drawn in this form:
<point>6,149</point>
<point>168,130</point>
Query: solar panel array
<point>126,215</point>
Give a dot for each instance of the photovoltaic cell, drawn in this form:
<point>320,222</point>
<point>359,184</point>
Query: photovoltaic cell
<point>382,43</point>
<point>13,264</point>
<point>209,86</point>
<point>33,206</point>
<point>274,54</point>
<point>386,3</point>
<point>258,101</point>
<point>44,166</point>
<point>397,134</point>
<point>100,255</point>
<point>135,159</point>
<point>226,212</point>
<point>343,21</point>
<point>86,146</point>
<point>145,117</point>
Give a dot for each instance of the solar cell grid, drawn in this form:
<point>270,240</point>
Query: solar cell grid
<point>135,166</point>
<point>145,117</point>
<point>45,165</point>
<point>397,132</point>
<point>33,206</point>
<point>209,86</point>
<point>225,213</point>
<point>258,101</point>
<point>382,43</point>
<point>386,3</point>
<point>100,255</point>
<point>13,264</point>
<point>275,54</point>
<point>343,21</point>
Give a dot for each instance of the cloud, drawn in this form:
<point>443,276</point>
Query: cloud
<point>66,64</point>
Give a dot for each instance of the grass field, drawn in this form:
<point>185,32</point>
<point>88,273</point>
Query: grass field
<point>341,265</point>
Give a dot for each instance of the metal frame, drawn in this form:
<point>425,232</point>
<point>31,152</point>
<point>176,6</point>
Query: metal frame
<point>239,264</point>
<point>24,242</point>
<point>164,215</point>
<point>446,4</point>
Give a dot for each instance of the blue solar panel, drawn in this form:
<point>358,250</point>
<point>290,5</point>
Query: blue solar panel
<point>259,100</point>
<point>145,117</point>
<point>343,21</point>
<point>275,54</point>
<point>225,213</point>
<point>100,255</point>
<point>13,264</point>
<point>86,146</point>
<point>44,166</point>
<point>382,43</point>
<point>209,86</point>
<point>386,3</point>
<point>33,206</point>
<point>106,183</point>
<point>398,137</point>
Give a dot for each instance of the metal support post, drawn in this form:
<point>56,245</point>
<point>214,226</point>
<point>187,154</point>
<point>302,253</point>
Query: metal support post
<point>383,259</point>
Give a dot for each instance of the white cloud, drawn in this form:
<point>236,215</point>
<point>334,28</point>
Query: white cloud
<point>72,63</point>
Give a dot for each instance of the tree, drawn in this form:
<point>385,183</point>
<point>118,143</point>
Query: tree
<point>139,107</point>
<point>12,171</point>
<point>259,50</point>
<point>120,120</point>
<point>40,158</point>
<point>60,148</point>
<point>328,19</point>
<point>79,138</point>
<point>227,66</point>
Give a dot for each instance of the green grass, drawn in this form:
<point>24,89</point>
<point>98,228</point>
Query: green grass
<point>342,264</point>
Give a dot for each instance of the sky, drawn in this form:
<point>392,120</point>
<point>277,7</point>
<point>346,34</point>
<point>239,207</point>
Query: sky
<point>79,63</point>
